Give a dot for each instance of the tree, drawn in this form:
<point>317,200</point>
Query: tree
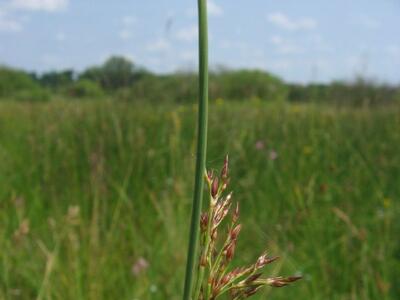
<point>55,80</point>
<point>19,85</point>
<point>116,72</point>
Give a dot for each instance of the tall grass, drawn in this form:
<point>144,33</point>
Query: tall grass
<point>89,189</point>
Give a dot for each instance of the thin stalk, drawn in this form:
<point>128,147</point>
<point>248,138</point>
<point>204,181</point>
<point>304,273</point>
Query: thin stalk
<point>202,268</point>
<point>201,148</point>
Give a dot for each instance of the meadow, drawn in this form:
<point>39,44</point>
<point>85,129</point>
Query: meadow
<point>95,197</point>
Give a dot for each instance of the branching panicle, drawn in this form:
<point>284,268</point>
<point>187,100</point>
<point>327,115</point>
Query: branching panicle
<point>214,278</point>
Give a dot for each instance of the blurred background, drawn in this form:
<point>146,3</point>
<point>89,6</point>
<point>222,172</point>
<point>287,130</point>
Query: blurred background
<point>97,143</point>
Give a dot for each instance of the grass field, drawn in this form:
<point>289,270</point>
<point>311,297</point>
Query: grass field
<point>89,189</point>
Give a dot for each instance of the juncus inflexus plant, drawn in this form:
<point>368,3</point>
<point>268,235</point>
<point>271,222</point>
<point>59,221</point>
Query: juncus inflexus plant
<point>214,277</point>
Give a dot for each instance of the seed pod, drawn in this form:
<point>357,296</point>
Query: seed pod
<point>214,187</point>
<point>214,234</point>
<point>203,221</point>
<point>293,278</point>
<point>235,231</point>
<point>277,282</point>
<point>265,260</point>
<point>226,279</point>
<point>235,215</point>
<point>210,175</point>
<point>251,291</point>
<point>230,251</point>
<point>224,185</point>
<point>253,277</point>
<point>224,171</point>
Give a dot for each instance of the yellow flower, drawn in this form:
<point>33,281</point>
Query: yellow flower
<point>387,202</point>
<point>307,150</point>
<point>219,101</point>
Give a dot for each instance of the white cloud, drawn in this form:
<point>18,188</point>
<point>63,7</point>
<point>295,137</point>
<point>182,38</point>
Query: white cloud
<point>188,34</point>
<point>60,36</point>
<point>10,22</point>
<point>125,34</point>
<point>318,43</point>
<point>50,60</point>
<point>368,22</point>
<point>128,20</point>
<point>277,40</point>
<point>281,65</point>
<point>214,9</point>
<point>289,49</point>
<point>283,21</point>
<point>7,24</point>
<point>285,46</point>
<point>393,50</point>
<point>189,56</point>
<point>159,45</point>
<point>40,5</point>
<point>237,45</point>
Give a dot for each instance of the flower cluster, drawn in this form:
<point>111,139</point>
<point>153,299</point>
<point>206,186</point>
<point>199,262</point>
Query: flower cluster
<point>214,275</point>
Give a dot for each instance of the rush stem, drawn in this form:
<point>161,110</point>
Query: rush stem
<point>201,149</point>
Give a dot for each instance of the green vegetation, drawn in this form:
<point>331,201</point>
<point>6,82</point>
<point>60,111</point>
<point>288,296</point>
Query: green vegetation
<point>84,88</point>
<point>96,196</point>
<point>120,79</point>
<point>19,85</point>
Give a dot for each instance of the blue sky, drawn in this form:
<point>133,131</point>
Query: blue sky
<point>302,41</point>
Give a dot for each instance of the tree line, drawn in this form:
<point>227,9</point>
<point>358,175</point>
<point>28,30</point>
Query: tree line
<point>121,79</point>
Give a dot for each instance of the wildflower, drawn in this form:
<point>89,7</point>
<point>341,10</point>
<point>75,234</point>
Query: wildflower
<point>273,155</point>
<point>73,215</point>
<point>22,231</point>
<point>139,266</point>
<point>19,202</point>
<point>153,288</point>
<point>323,188</point>
<point>260,145</point>
<point>387,202</point>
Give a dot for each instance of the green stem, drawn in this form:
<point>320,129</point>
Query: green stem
<point>201,148</point>
<point>200,275</point>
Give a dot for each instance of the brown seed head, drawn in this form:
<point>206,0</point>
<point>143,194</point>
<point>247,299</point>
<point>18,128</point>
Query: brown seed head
<point>271,259</point>
<point>281,281</point>
<point>253,277</point>
<point>235,231</point>
<point>224,171</point>
<point>265,260</point>
<point>224,185</point>
<point>251,291</point>
<point>214,187</point>
<point>214,234</point>
<point>237,271</point>
<point>203,221</point>
<point>293,278</point>
<point>226,279</point>
<point>230,250</point>
<point>277,283</point>
<point>210,175</point>
<point>235,215</point>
